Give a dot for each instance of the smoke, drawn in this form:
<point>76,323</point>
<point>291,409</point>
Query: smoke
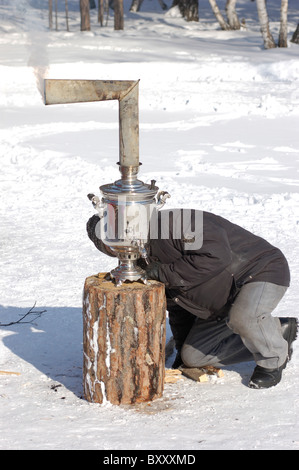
<point>38,39</point>
<point>38,59</point>
<point>33,16</point>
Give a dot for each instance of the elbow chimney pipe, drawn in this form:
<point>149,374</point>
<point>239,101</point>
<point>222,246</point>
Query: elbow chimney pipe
<point>60,91</point>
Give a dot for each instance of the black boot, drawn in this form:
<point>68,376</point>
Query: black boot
<point>266,378</point>
<point>289,328</point>
<point>178,361</point>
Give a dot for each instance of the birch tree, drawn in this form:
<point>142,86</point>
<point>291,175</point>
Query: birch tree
<point>231,14</point>
<point>283,31</point>
<point>188,9</point>
<point>135,5</point>
<point>85,17</point>
<point>269,42</point>
<point>223,24</point>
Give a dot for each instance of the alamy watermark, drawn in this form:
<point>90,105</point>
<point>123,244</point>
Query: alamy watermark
<point>124,223</point>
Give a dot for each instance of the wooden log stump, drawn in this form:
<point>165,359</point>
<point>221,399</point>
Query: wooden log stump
<point>124,332</point>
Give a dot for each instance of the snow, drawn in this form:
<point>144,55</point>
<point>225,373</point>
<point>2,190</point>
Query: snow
<point>219,122</point>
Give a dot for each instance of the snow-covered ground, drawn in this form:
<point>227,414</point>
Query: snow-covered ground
<point>219,121</point>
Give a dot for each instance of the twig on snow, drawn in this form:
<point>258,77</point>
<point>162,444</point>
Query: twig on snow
<point>37,314</point>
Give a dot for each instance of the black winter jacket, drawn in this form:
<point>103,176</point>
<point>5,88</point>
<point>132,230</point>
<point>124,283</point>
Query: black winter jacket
<point>205,280</point>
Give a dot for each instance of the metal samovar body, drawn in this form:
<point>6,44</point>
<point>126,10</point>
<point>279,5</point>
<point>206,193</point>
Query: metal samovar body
<point>126,209</point>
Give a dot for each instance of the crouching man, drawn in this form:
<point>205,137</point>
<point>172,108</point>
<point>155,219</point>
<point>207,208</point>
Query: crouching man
<point>222,284</point>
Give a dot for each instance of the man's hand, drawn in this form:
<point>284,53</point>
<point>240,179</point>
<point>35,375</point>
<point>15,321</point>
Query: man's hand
<point>152,270</point>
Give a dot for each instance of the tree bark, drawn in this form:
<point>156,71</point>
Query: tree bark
<point>118,14</point>
<point>283,31</point>
<point>295,37</point>
<point>123,341</point>
<point>67,15</point>
<point>50,14</point>
<point>269,42</point>
<point>56,15</point>
<point>85,16</point>
<point>231,14</point>
<point>135,5</point>
<point>101,12</point>
<point>219,16</point>
<point>188,9</point>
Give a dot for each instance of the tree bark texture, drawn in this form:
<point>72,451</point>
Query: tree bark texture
<point>135,5</point>
<point>283,30</point>
<point>231,14</point>
<point>269,42</point>
<point>56,15</point>
<point>101,12</point>
<point>50,14</point>
<point>124,332</point>
<point>67,15</point>
<point>85,17</point>
<point>188,9</point>
<point>218,15</point>
<point>118,14</point>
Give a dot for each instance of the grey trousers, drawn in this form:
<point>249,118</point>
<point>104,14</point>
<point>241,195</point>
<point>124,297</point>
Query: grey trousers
<point>249,333</point>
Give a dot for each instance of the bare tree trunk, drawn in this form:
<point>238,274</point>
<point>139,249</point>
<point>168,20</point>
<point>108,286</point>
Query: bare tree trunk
<point>101,12</point>
<point>67,15</point>
<point>283,32</point>
<point>269,42</point>
<point>103,8</point>
<point>231,14</point>
<point>118,14</point>
<point>135,5</point>
<point>56,15</point>
<point>219,16</point>
<point>162,5</point>
<point>295,37</point>
<point>50,14</point>
<point>85,17</point>
<point>192,11</point>
<point>188,9</point>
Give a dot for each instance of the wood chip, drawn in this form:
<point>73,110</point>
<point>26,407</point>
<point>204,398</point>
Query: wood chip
<point>196,374</point>
<point>172,375</point>
<point>6,372</point>
<point>201,374</point>
<point>173,372</point>
<point>211,370</point>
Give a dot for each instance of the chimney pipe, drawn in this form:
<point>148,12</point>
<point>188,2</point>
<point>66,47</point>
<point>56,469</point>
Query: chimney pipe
<point>59,91</point>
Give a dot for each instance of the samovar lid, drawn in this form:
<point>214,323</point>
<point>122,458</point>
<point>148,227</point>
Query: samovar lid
<point>129,186</point>
<point>133,187</point>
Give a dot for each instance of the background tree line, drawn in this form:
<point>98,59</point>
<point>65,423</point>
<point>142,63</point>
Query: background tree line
<point>189,10</point>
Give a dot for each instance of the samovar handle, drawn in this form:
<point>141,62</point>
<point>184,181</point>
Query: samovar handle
<point>97,203</point>
<point>161,199</point>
